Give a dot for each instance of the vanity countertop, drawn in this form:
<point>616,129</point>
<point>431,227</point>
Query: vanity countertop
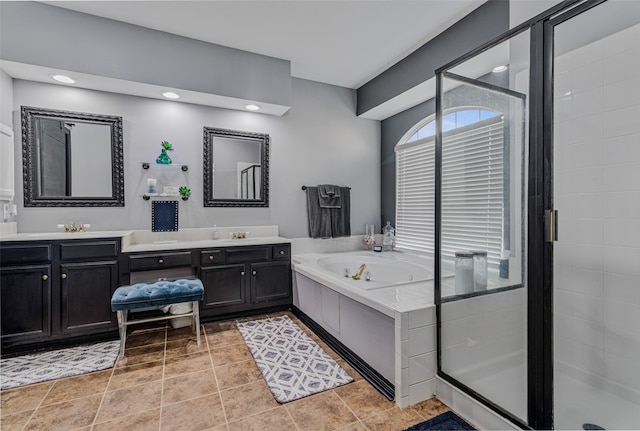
<point>139,240</point>
<point>56,236</point>
<point>203,243</point>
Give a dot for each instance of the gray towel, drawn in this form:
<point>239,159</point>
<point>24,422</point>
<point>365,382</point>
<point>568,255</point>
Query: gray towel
<point>341,217</point>
<point>329,196</point>
<point>319,218</point>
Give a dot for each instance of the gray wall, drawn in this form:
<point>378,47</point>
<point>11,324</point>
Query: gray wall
<point>48,36</point>
<point>483,24</point>
<point>320,140</point>
<point>6,98</point>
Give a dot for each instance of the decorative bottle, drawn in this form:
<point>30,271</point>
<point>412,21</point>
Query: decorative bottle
<point>388,237</point>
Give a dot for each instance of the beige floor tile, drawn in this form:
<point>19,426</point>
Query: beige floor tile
<point>321,412</point>
<point>186,364</point>
<point>141,355</point>
<point>237,374</point>
<point>230,354</point>
<point>430,408</point>
<point>136,375</point>
<point>143,338</point>
<point>188,386</point>
<point>247,400</point>
<point>363,399</point>
<point>78,387</point>
<point>224,338</point>
<point>145,421</point>
<point>395,419</point>
<point>23,398</point>
<point>195,414</point>
<point>65,416</point>
<point>277,419</point>
<point>129,401</point>
<point>356,426</point>
<point>180,333</point>
<point>350,370</point>
<point>185,346</point>
<point>226,325</point>
<point>15,422</point>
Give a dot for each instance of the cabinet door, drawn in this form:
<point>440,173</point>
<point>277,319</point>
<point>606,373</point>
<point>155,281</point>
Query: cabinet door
<point>270,281</point>
<point>223,286</point>
<point>25,302</point>
<point>87,288</point>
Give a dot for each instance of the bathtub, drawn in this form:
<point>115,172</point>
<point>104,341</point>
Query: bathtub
<point>387,322</point>
<point>381,269</point>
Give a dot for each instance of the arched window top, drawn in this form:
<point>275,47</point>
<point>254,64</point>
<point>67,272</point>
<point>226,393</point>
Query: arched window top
<point>453,120</point>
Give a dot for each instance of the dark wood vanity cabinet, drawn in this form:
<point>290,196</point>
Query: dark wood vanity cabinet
<point>245,278</point>
<point>57,290</point>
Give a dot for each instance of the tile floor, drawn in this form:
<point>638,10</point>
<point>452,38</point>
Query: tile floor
<point>166,382</point>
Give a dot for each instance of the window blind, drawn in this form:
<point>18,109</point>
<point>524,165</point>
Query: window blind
<point>472,191</point>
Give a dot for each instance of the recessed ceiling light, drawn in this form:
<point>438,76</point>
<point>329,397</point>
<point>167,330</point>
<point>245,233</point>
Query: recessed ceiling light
<point>171,95</point>
<point>498,69</point>
<point>252,107</point>
<point>64,79</point>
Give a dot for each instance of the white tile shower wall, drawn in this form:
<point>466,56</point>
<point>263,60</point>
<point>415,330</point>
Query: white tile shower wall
<point>597,190</point>
<point>416,361</point>
<point>484,341</point>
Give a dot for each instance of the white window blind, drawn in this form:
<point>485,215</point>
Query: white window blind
<point>472,191</point>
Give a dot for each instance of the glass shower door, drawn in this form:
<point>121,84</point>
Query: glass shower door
<point>482,297</point>
<point>596,191</point>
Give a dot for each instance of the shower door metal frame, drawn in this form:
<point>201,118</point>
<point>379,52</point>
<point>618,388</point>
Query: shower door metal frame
<point>539,199</point>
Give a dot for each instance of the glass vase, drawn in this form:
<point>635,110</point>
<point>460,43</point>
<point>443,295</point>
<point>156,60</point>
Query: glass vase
<point>163,158</point>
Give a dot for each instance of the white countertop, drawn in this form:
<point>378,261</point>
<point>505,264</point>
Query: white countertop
<point>142,240</point>
<point>205,243</point>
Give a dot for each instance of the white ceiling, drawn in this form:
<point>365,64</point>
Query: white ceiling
<point>338,42</point>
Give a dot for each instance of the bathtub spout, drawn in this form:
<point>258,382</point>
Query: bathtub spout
<point>359,272</point>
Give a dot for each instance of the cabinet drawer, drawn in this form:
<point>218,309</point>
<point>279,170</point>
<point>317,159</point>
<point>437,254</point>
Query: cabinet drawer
<point>88,250</point>
<point>281,251</point>
<point>159,260</point>
<point>18,254</point>
<point>210,257</point>
<point>247,254</point>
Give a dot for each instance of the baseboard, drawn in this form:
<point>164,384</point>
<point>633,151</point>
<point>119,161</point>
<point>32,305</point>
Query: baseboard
<point>376,379</point>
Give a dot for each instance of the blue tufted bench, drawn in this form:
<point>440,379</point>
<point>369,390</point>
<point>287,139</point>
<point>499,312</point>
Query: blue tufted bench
<point>157,294</point>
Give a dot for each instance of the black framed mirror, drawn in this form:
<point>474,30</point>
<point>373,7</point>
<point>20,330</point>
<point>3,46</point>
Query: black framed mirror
<point>236,168</point>
<point>72,159</point>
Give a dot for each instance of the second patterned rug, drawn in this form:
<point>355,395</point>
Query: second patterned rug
<point>292,364</point>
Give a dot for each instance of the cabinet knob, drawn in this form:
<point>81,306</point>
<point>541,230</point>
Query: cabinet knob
<point>253,272</point>
<point>45,277</point>
<point>210,257</point>
<point>160,260</point>
<point>63,276</point>
<point>281,251</point>
<point>242,273</point>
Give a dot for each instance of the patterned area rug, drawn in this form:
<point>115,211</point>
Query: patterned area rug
<point>292,364</point>
<point>40,367</point>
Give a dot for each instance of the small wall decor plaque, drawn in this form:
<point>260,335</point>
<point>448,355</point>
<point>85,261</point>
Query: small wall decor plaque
<point>164,216</point>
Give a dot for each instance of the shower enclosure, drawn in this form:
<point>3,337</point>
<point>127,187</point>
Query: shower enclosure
<point>549,189</point>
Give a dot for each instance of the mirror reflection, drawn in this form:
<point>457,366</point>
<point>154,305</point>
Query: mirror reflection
<point>72,159</point>
<point>235,168</point>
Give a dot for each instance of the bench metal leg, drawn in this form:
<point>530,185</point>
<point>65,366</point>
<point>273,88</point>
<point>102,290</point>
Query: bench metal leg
<point>196,319</point>
<point>122,327</point>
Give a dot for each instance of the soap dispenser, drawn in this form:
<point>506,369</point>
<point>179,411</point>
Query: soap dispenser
<point>388,237</point>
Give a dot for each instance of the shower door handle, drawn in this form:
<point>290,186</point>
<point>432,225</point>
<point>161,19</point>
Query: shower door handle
<point>551,225</point>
